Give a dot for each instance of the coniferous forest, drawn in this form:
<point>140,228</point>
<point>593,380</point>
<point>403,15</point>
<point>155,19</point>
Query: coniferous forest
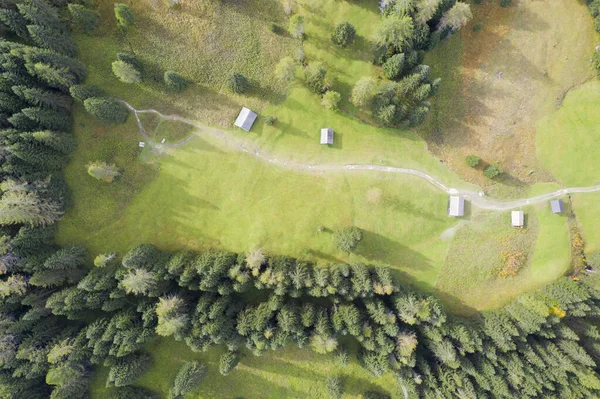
<point>60,317</point>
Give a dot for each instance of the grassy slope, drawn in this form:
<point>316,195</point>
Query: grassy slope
<point>467,278</point>
<point>569,139</point>
<point>287,373</point>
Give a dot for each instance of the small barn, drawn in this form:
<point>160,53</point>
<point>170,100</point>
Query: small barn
<point>245,119</point>
<point>557,206</point>
<point>327,136</point>
<point>456,206</point>
<point>517,218</point>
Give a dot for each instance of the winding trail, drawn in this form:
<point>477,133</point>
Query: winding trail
<point>472,196</point>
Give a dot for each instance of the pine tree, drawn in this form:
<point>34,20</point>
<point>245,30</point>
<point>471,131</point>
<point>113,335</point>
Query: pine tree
<point>83,92</point>
<point>85,20</point>
<point>189,377</point>
<point>126,72</point>
<point>106,110</point>
<point>126,370</point>
<point>43,98</point>
<point>228,361</point>
<point>174,81</point>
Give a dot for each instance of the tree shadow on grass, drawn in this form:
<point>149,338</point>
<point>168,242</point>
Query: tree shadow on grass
<point>378,248</point>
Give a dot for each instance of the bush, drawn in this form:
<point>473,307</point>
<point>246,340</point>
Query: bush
<point>124,15</point>
<point>106,110</point>
<point>393,67</point>
<point>237,83</point>
<point>126,72</point>
<point>316,77</point>
<point>174,81</point>
<point>334,387</point>
<point>473,160</point>
<point>285,70</point>
<point>331,100</point>
<point>505,3</point>
<point>341,357</point>
<point>228,361</point>
<point>491,171</point>
<point>83,92</point>
<point>85,20</point>
<point>296,26</point>
<point>343,34</point>
<point>477,27</point>
<point>270,120</point>
<point>347,238</point>
<point>103,171</point>
<point>273,27</point>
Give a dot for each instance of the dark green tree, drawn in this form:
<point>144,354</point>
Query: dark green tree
<point>106,109</point>
<point>86,20</point>
<point>189,377</point>
<point>174,81</point>
<point>343,34</point>
<point>237,83</point>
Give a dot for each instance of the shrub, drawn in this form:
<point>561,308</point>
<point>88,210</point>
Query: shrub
<point>393,67</point>
<point>124,14</point>
<point>597,23</point>
<point>491,171</point>
<point>103,171</point>
<point>104,260</point>
<point>473,160</point>
<point>270,120</point>
<point>596,62</point>
<point>285,70</point>
<point>296,27</point>
<point>334,387</point>
<point>341,357</point>
<point>347,238</point>
<point>477,27</point>
<point>189,377</point>
<point>512,263</point>
<point>106,110</point>
<point>273,27</point>
<point>126,72</point>
<point>237,83</point>
<point>343,34</point>
<point>83,92</point>
<point>331,100</point>
<point>505,3</point>
<point>85,20</point>
<point>316,77</point>
<point>175,81</point>
<point>228,361</point>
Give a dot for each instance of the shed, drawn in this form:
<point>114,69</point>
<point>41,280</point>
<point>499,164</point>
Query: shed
<point>327,135</point>
<point>517,218</point>
<point>557,206</point>
<point>245,119</point>
<point>456,207</point>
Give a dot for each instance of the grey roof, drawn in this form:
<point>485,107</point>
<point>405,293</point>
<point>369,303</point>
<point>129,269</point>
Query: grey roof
<point>245,119</point>
<point>327,135</point>
<point>517,218</point>
<point>456,207</point>
<point>557,206</point>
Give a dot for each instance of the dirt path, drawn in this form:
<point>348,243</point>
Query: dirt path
<point>474,197</point>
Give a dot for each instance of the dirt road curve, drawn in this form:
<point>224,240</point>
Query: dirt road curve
<point>472,196</point>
